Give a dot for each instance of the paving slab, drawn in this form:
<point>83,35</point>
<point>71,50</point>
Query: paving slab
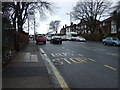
<point>26,70</point>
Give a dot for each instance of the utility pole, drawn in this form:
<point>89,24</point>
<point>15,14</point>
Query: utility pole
<point>34,26</point>
<point>70,19</point>
<point>70,16</point>
<point>32,17</point>
<point>28,27</point>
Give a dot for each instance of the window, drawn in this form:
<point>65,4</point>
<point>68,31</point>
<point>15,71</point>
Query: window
<point>103,23</point>
<point>89,31</point>
<point>113,27</point>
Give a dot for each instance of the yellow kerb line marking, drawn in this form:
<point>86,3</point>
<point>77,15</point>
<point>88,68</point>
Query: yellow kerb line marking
<point>52,54</point>
<point>91,59</point>
<point>73,60</point>
<point>62,82</point>
<point>110,67</point>
<point>66,60</point>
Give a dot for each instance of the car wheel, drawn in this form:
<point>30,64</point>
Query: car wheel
<point>104,43</point>
<point>50,41</point>
<point>114,44</point>
<point>60,42</point>
<point>45,42</point>
<point>36,42</point>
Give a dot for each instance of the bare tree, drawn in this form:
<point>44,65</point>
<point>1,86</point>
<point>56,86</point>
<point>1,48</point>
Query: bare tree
<point>54,25</point>
<point>117,7</point>
<point>19,11</point>
<point>90,11</point>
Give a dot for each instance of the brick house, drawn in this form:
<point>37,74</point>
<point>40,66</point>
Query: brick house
<point>67,29</point>
<point>107,27</point>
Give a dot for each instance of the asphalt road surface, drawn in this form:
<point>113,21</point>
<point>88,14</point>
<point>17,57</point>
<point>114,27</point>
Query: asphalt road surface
<point>85,64</point>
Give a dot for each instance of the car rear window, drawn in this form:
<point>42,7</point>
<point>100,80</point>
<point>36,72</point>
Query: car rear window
<point>40,36</point>
<point>115,39</point>
<point>56,36</point>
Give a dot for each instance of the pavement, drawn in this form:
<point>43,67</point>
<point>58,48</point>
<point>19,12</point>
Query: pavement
<point>26,70</point>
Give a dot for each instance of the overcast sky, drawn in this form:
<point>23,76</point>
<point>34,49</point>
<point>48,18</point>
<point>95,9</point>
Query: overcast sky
<point>65,6</point>
<point>59,14</point>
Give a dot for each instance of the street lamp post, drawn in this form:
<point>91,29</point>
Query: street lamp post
<point>34,27</point>
<point>70,16</point>
<point>32,17</point>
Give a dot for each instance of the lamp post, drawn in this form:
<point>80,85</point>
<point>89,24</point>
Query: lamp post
<point>70,16</point>
<point>31,17</point>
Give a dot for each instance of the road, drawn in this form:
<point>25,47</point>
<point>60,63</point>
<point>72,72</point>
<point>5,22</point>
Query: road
<point>85,64</point>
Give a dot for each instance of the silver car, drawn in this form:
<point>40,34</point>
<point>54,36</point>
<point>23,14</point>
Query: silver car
<point>81,39</point>
<point>111,41</point>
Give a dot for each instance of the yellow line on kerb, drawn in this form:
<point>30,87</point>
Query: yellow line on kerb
<point>63,84</point>
<point>110,67</point>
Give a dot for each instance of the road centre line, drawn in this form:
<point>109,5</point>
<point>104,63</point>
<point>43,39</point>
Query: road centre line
<point>66,60</point>
<point>73,60</point>
<point>110,67</point>
<point>112,54</point>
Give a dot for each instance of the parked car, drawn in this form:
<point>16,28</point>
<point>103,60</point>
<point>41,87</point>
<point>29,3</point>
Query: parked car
<point>111,41</point>
<point>73,38</point>
<point>56,39</point>
<point>40,38</point>
<point>64,38</point>
<point>48,38</point>
<point>81,39</point>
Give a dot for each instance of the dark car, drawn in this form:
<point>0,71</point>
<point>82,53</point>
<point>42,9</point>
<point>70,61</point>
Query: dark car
<point>111,41</point>
<point>56,39</point>
<point>40,38</point>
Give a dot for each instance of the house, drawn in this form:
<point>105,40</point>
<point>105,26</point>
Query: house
<point>110,27</point>
<point>107,27</point>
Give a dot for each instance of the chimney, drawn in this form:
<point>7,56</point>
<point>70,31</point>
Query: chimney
<point>71,23</point>
<point>65,25</point>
